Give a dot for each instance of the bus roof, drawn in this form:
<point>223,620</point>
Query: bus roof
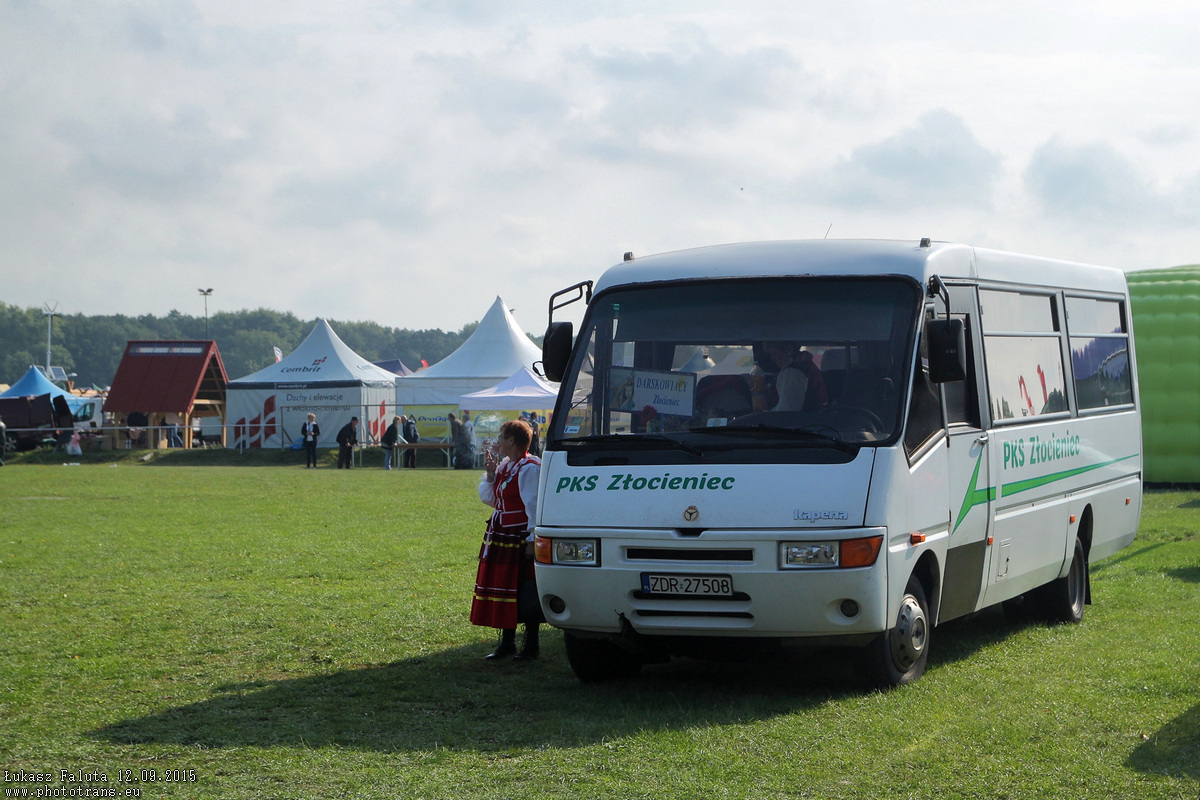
<point>861,257</point>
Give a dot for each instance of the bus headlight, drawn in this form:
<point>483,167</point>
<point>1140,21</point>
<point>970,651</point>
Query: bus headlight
<point>823,555</point>
<point>809,554</point>
<point>575,552</point>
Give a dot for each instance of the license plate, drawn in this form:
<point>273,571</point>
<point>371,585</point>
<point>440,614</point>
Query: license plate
<point>694,585</point>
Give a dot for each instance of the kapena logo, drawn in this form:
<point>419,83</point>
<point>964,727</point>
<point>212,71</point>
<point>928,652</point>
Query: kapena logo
<point>813,516</point>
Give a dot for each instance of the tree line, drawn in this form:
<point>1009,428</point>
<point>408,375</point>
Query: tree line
<point>92,346</point>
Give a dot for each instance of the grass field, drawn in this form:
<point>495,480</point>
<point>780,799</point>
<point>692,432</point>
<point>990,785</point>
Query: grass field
<point>276,632</point>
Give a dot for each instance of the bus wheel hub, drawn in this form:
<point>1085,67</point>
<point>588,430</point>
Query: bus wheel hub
<point>910,635</point>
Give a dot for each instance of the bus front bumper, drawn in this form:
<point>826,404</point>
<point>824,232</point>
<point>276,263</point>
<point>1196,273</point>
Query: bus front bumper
<point>730,583</point>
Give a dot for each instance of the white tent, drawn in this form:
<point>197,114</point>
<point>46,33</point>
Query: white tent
<point>324,376</point>
<point>523,390</point>
<point>698,362</point>
<point>738,362</point>
<point>496,350</point>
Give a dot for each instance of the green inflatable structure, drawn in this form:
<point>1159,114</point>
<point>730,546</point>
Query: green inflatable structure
<point>1166,328</point>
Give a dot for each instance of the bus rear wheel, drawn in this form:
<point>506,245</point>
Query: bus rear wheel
<point>598,660</point>
<point>898,656</point>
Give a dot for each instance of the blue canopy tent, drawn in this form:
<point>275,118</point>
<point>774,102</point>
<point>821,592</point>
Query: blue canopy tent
<point>35,383</point>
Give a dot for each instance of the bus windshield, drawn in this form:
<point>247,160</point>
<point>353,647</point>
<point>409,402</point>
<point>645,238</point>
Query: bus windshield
<point>745,363</point>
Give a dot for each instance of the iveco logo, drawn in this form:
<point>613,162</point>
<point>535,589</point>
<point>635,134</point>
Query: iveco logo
<point>691,514</point>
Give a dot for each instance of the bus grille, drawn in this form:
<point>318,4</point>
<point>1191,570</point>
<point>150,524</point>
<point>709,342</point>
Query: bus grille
<point>702,614</point>
<point>688,554</point>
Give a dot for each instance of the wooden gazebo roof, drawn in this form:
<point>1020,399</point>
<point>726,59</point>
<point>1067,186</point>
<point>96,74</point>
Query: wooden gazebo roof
<point>180,377</point>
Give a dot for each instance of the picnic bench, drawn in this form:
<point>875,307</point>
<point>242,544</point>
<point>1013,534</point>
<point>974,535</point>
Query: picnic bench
<point>446,447</point>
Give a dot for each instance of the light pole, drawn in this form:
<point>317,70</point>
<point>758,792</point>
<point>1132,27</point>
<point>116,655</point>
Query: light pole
<point>205,293</point>
<point>50,313</point>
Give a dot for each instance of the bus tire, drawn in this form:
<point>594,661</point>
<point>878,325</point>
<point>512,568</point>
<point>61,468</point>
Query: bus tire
<point>598,660</point>
<point>897,657</point>
<point>1063,599</point>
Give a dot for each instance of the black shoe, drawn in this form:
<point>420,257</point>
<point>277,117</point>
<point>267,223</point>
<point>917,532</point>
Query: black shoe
<point>529,647</point>
<point>508,645</point>
<point>528,653</point>
<point>505,650</point>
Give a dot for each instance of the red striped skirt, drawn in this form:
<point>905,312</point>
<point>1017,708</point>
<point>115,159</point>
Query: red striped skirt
<point>502,566</point>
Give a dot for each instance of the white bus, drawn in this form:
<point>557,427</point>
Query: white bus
<point>779,444</point>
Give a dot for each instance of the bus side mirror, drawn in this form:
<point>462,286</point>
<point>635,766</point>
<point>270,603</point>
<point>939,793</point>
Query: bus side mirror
<point>947,343</point>
<point>556,349</point>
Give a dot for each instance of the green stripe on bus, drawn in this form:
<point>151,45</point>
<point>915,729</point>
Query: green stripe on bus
<point>975,497</point>
<point>1032,483</point>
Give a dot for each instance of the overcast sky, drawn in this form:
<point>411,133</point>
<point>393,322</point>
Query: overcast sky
<point>406,162</point>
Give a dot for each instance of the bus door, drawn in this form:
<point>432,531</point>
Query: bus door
<point>972,492</point>
<point>1024,347</point>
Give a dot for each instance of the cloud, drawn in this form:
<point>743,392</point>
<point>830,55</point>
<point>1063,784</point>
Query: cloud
<point>1189,200</point>
<point>938,162</point>
<point>380,196</point>
<point>150,157</point>
<point>477,14</point>
<point>1096,183</point>
<point>700,83</point>
<point>1173,135</point>
<point>159,139</point>
<point>170,27</point>
<point>500,99</point>
<point>635,103</point>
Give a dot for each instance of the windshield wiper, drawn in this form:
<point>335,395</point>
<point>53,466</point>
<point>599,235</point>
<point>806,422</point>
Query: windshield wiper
<point>823,434</point>
<point>633,440</point>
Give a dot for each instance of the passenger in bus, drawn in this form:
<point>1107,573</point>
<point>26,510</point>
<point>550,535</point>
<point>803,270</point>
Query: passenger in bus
<point>799,384</point>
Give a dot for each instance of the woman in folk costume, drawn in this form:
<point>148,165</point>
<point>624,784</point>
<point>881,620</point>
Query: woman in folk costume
<point>505,559</point>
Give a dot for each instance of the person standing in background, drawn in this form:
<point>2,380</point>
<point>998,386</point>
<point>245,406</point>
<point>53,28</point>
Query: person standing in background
<point>310,431</point>
<point>535,446</point>
<point>455,435</point>
<point>388,442</point>
<point>347,437</point>
<point>464,445</point>
<point>410,437</point>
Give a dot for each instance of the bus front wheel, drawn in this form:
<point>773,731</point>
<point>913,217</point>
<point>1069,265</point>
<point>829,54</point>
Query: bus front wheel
<point>597,660</point>
<point>898,656</point>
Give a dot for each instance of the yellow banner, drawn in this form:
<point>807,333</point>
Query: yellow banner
<point>432,422</point>
<point>434,425</point>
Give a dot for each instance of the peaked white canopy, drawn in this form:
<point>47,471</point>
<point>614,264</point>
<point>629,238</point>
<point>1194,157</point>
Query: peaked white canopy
<point>523,390</point>
<point>321,358</point>
<point>738,362</point>
<point>322,376</point>
<point>496,350</point>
